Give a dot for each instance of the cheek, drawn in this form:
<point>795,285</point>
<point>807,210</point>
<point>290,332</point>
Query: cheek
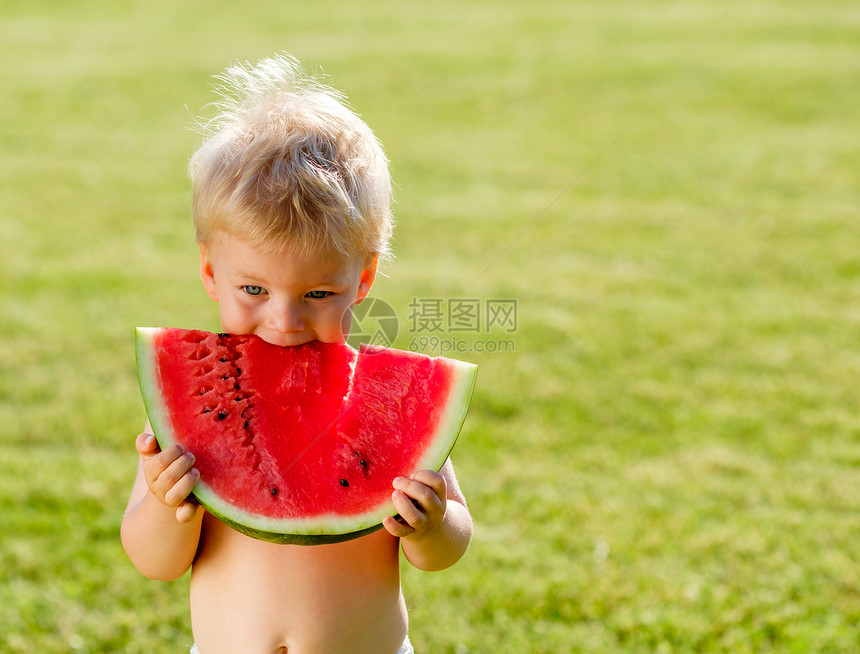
<point>346,321</point>
<point>235,317</point>
<point>335,320</point>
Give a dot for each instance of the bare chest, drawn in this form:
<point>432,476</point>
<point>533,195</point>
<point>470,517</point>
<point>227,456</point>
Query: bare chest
<point>256,597</point>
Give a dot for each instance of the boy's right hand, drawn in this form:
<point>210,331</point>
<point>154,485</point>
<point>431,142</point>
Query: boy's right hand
<point>169,474</point>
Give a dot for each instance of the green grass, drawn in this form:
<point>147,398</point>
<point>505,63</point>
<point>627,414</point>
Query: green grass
<point>667,462</point>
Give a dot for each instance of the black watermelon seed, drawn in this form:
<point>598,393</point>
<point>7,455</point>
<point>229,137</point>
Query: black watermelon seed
<point>362,463</point>
<point>236,387</point>
<point>274,490</point>
<point>344,483</point>
<point>221,415</point>
<point>223,359</point>
<point>206,409</point>
<point>224,335</point>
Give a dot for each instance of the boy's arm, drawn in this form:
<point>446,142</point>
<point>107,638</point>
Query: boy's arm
<point>161,526</point>
<point>436,527</point>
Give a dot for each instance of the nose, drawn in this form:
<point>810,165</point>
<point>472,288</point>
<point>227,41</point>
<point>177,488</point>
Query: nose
<point>285,318</point>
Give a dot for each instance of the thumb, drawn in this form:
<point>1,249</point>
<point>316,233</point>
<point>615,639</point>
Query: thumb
<point>146,445</point>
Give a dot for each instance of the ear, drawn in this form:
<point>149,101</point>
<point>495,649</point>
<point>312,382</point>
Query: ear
<point>368,274</point>
<point>206,272</point>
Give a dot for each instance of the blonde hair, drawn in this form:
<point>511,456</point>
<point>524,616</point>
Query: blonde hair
<point>285,164</point>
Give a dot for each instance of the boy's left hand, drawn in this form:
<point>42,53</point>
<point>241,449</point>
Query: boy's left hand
<point>421,502</point>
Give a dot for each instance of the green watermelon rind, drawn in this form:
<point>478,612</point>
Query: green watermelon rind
<point>319,529</point>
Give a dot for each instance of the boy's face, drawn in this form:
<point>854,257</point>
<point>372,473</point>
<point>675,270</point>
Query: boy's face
<point>285,299</point>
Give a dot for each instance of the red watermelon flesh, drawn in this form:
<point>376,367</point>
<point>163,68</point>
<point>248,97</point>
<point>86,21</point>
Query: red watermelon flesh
<point>300,444</point>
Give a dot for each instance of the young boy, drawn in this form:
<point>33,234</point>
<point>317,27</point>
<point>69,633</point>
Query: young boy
<point>291,202</point>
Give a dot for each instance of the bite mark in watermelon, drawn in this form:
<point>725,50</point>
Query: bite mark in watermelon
<point>300,444</point>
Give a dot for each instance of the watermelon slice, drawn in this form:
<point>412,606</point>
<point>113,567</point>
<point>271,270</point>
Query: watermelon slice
<point>300,444</point>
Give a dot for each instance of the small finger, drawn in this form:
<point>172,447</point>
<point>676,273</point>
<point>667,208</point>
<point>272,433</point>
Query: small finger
<point>396,528</point>
<point>432,479</point>
<point>157,465</point>
<point>175,455</point>
<point>173,452</point>
<point>178,493</point>
<point>186,511</point>
<point>160,460</point>
<point>426,496</point>
<point>178,473</point>
<point>408,510</point>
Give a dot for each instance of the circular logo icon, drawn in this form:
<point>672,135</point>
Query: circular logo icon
<point>374,322</point>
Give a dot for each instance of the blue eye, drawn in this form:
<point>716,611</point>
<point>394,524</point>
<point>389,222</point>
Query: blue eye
<point>253,290</point>
<point>318,295</point>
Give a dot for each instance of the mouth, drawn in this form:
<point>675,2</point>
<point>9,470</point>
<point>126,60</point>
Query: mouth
<point>287,340</point>
<point>292,340</point>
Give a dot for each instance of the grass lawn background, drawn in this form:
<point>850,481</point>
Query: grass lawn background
<point>667,461</point>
